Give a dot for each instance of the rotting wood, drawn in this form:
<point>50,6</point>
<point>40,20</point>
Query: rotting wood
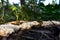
<point>9,28</point>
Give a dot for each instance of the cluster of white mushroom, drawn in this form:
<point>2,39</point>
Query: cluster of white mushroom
<point>6,29</point>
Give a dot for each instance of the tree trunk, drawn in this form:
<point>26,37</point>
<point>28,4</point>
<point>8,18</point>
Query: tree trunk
<point>59,2</point>
<point>2,10</point>
<point>7,3</point>
<point>22,2</point>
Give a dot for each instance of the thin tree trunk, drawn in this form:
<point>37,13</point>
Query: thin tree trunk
<point>59,2</point>
<point>2,10</point>
<point>7,3</point>
<point>22,2</point>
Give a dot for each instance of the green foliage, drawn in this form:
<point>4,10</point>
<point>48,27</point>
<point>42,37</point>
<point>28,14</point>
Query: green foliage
<point>31,11</point>
<point>42,12</point>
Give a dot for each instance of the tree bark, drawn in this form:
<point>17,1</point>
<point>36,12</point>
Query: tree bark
<point>7,3</point>
<point>2,10</point>
<point>22,2</point>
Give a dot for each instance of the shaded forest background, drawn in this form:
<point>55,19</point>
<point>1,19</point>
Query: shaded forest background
<point>28,10</point>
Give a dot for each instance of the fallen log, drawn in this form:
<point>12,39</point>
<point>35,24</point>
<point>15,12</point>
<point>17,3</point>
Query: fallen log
<point>50,23</point>
<point>10,27</point>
